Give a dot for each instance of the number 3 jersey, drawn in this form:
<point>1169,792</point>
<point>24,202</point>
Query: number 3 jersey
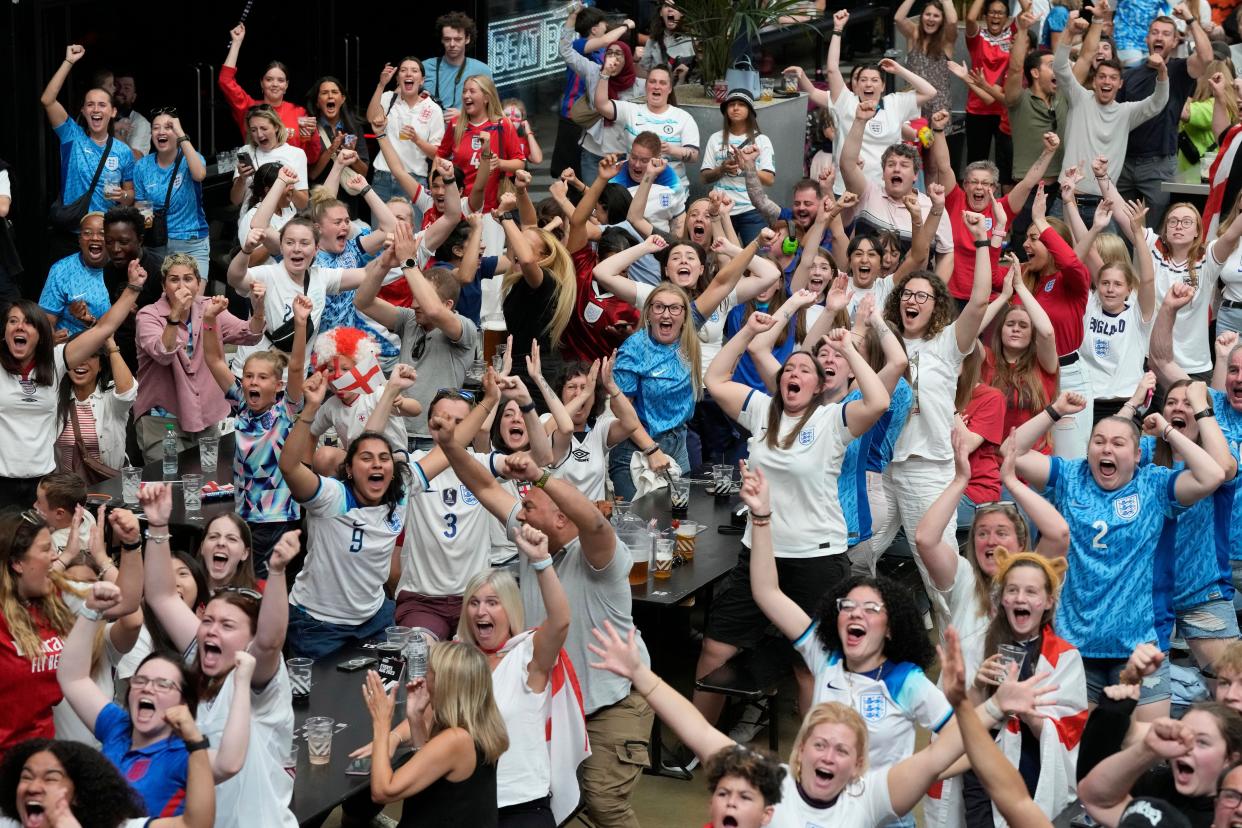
<point>1106,605</point>
<point>348,553</point>
<point>448,533</point>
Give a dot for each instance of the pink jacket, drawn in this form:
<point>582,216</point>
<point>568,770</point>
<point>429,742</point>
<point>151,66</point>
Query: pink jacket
<point>181,383</point>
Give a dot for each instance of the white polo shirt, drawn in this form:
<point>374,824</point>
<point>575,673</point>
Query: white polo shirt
<point>28,421</point>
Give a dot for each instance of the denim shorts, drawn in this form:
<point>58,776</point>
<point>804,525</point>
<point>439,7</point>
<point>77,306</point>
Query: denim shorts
<point>1103,672</point>
<point>1211,619</point>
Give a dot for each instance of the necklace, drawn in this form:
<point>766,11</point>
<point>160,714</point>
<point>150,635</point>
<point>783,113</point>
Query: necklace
<point>875,675</point>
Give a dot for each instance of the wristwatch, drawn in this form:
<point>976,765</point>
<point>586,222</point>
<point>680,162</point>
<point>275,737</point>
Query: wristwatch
<point>1205,413</point>
<point>201,744</point>
<point>409,264</point>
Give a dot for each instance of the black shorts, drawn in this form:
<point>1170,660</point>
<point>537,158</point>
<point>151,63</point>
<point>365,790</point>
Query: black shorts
<point>737,620</point>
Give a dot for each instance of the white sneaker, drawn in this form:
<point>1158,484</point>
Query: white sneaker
<point>747,727</point>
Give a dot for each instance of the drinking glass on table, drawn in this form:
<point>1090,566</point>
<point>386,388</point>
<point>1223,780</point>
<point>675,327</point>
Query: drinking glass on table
<point>319,730</point>
<point>687,535</point>
<point>209,454</point>
<point>679,496</point>
<point>131,481</point>
<point>664,557</point>
<point>300,679</point>
<point>192,492</point>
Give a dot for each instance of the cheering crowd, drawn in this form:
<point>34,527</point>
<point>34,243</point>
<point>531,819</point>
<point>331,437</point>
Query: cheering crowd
<point>1012,351</point>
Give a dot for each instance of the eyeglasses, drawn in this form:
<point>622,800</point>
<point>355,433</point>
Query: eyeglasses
<point>869,607</point>
<point>162,684</point>
<point>1175,223</point>
<point>242,591</point>
<point>34,518</point>
<point>920,297</point>
<point>460,393</point>
<point>170,111</point>
<point>659,308</point>
<point>1229,797</point>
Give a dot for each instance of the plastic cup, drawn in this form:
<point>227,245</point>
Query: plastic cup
<point>397,635</point>
<point>766,87</point>
<point>664,558</point>
<point>791,83</point>
<point>498,358</point>
<point>319,731</point>
<point>192,492</point>
<point>209,454</point>
<point>687,536</point>
<point>291,760</point>
<point>300,679</point>
<point>131,481</point>
<point>1012,654</point>
<point>640,557</point>
<point>679,496</point>
<point>722,480</point>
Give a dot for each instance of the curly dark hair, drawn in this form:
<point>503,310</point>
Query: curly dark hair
<point>906,640</point>
<point>943,313</point>
<point>101,796</point>
<point>760,770</point>
<point>400,470</point>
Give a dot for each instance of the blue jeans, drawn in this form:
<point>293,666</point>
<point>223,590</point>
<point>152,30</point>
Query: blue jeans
<point>590,167</point>
<point>311,638</point>
<point>198,249</point>
<point>747,225</point>
<point>1229,319</point>
<point>672,443</point>
<point>1141,178</point>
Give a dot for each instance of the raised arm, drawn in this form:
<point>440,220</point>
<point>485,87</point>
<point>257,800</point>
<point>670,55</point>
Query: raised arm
<point>603,104</point>
<point>779,608</point>
<point>200,786</point>
<point>269,636</point>
<point>757,193</point>
<point>78,349</point>
<point>159,583</point>
<point>474,477</point>
<point>1022,190</point>
<point>1032,465</point>
<point>213,350</point>
<point>1210,435</point>
<point>1105,791</point>
<point>939,558</point>
<point>971,317</point>
<point>1041,324</point>
<point>1201,55</point>
<point>1160,346</point>
<point>74,673</point>
<point>860,415</point>
<point>621,656</point>
<point>552,631</point>
<point>1203,474</point>
<point>1091,35</point>
<point>924,91</point>
<point>379,125</point>
<point>581,216</point>
<point>832,68</point>
<point>56,114</point>
<point>851,174</point>
<point>727,277</point>
<point>610,272</point>
<point>229,756</point>
<point>375,107</point>
<point>405,246</point>
<point>599,542</point>
<point>302,482</point>
<point>1014,76</point>
<point>1221,117</point>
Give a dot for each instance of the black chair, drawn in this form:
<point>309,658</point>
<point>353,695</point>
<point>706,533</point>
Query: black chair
<point>746,678</point>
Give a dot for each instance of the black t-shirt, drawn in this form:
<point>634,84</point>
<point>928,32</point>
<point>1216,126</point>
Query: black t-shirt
<point>1157,137</point>
<point>527,314</point>
<point>115,279</point>
<point>1158,783</point>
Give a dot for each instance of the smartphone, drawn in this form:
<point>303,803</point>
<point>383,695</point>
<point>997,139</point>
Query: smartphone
<point>359,767</point>
<point>350,141</point>
<point>1087,14</point>
<point>353,665</point>
<point>243,157</point>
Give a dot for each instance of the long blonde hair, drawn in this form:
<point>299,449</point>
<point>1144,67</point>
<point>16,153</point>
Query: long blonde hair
<point>1203,89</point>
<point>507,592</point>
<point>267,114</point>
<point>463,698</point>
<point>495,112</point>
<point>18,533</point>
<point>560,266</point>
<point>689,344</point>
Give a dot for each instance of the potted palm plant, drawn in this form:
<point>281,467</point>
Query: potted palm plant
<point>716,25</point>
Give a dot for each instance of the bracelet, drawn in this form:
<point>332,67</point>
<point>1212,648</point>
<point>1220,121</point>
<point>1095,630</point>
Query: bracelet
<point>933,129</point>
<point>104,571</point>
<point>134,288</point>
<point>130,547</point>
<point>63,565</point>
<point>363,192</point>
<point>1205,413</point>
<point>380,135</point>
<point>613,395</point>
<point>836,33</point>
<point>979,243</point>
<point>650,450</point>
<point>529,407</point>
<point>183,139</point>
<point>1053,413</point>
<point>154,538</point>
<point>542,564</point>
<point>207,326</point>
<point>760,517</point>
<point>114,350</point>
<point>993,709</point>
<point>304,420</point>
<point>1164,435</point>
<point>763,522</point>
<point>647,693</point>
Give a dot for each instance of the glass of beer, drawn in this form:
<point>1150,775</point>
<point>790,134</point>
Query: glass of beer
<point>687,532</point>
<point>664,558</point>
<point>640,552</point>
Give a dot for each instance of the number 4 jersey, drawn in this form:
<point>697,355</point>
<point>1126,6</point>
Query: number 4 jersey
<point>1106,603</point>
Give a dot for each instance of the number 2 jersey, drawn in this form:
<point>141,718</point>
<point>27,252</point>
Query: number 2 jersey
<point>1107,606</point>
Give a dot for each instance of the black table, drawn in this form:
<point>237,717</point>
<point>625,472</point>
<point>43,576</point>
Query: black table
<point>318,789</point>
<point>714,553</point>
<point>187,463</point>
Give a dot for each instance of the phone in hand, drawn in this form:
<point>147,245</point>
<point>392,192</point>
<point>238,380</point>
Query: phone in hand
<point>243,157</point>
<point>1087,13</point>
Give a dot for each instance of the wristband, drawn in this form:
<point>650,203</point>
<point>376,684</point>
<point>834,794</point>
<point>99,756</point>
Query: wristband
<point>541,565</point>
<point>836,33</point>
<point>981,243</point>
<point>154,538</point>
<point>1205,413</point>
<point>363,192</point>
<point>134,288</point>
<point>89,614</point>
<point>380,135</point>
<point>183,139</point>
<point>650,450</point>
<point>1053,413</point>
<point>761,517</point>
<point>304,420</point>
<point>201,744</point>
<point>207,326</point>
<point>1164,435</point>
<point>529,407</point>
<point>130,547</point>
<point>933,129</point>
<point>543,479</point>
<point>993,709</point>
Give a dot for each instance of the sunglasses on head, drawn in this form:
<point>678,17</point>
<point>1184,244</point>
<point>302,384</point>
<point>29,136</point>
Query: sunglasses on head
<point>170,111</point>
<point>244,592</point>
<point>460,393</point>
